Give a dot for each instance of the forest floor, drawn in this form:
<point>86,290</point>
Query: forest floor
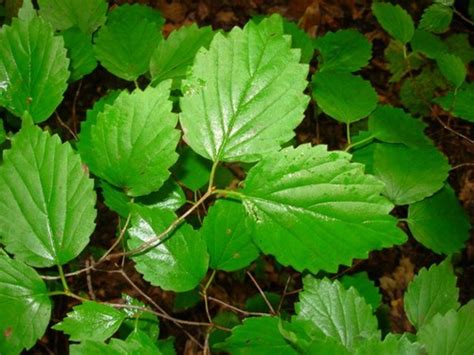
<point>391,269</point>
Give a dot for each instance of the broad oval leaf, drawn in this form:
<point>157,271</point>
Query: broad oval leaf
<point>173,56</point>
<point>344,50</point>
<point>449,334</point>
<point>344,96</point>
<point>337,312</point>
<point>436,18</point>
<point>410,174</point>
<point>244,96</point>
<point>428,44</point>
<point>315,210</point>
<point>132,142</point>
<point>228,236</point>
<point>25,306</point>
<point>439,222</point>
<point>257,335</point>
<point>125,44</point>
<point>393,125</point>
<point>91,321</point>
<point>88,15</point>
<point>431,292</point>
<point>46,200</point>
<point>395,20</point>
<point>179,262</point>
<point>461,104</point>
<point>80,52</point>
<point>33,68</point>
<point>453,68</point>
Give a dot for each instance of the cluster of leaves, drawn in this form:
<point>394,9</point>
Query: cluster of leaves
<point>237,97</point>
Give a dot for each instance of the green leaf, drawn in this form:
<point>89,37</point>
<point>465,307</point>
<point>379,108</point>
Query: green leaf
<point>173,56</point>
<point>179,262</point>
<point>224,319</point>
<point>138,321</point>
<point>453,69</point>
<point>393,125</point>
<point>410,174</point>
<point>365,287</point>
<point>33,69</point>
<point>299,39</point>
<point>25,306</point>
<point>228,234</point>
<point>431,292</point>
<point>337,312</point>
<point>428,44</point>
<point>259,336</point>
<point>344,50</point>
<point>27,12</point>
<point>458,44</point>
<point>344,96</point>
<point>244,96</point>
<point>439,222</point>
<point>395,20</point>
<point>391,345</point>
<point>449,334</point>
<point>257,303</point>
<point>46,200</point>
<point>88,15</point>
<point>80,52</point>
<point>417,92</point>
<point>3,133</point>
<point>192,170</point>
<point>461,104</point>
<point>436,18</point>
<point>139,344</point>
<point>125,44</point>
<point>321,205</point>
<point>398,64</point>
<point>132,143</point>
<point>91,321</point>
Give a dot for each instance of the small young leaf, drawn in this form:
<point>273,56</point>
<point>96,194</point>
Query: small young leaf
<point>337,312</point>
<point>41,224</point>
<point>439,222</point>
<point>179,262</point>
<point>91,321</point>
<point>431,292</point>
<point>398,64</point>
<point>27,12</point>
<point>88,15</point>
<point>24,304</point>
<point>395,20</point>
<point>458,44</point>
<point>132,143</point>
<point>393,125</point>
<point>259,335</point>
<point>365,287</point>
<point>224,319</point>
<point>410,174</point>
<point>449,334</point>
<point>452,68</point>
<point>125,44</point>
<point>173,56</point>
<point>344,96</point>
<point>417,92</point>
<point>80,52</point>
<point>233,106</point>
<point>314,210</point>
<point>138,321</point>
<point>33,68</point>
<point>344,50</point>
<point>137,343</point>
<point>436,18</point>
<point>428,44</point>
<point>461,104</point>
<point>228,235</point>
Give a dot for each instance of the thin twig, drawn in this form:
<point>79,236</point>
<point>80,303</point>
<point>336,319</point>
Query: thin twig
<point>74,103</point>
<point>64,125</point>
<point>119,239</point>
<point>452,130</point>
<point>462,165</point>
<point>270,307</point>
<point>89,280</point>
<point>236,309</point>
<point>283,295</point>
<point>464,18</point>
